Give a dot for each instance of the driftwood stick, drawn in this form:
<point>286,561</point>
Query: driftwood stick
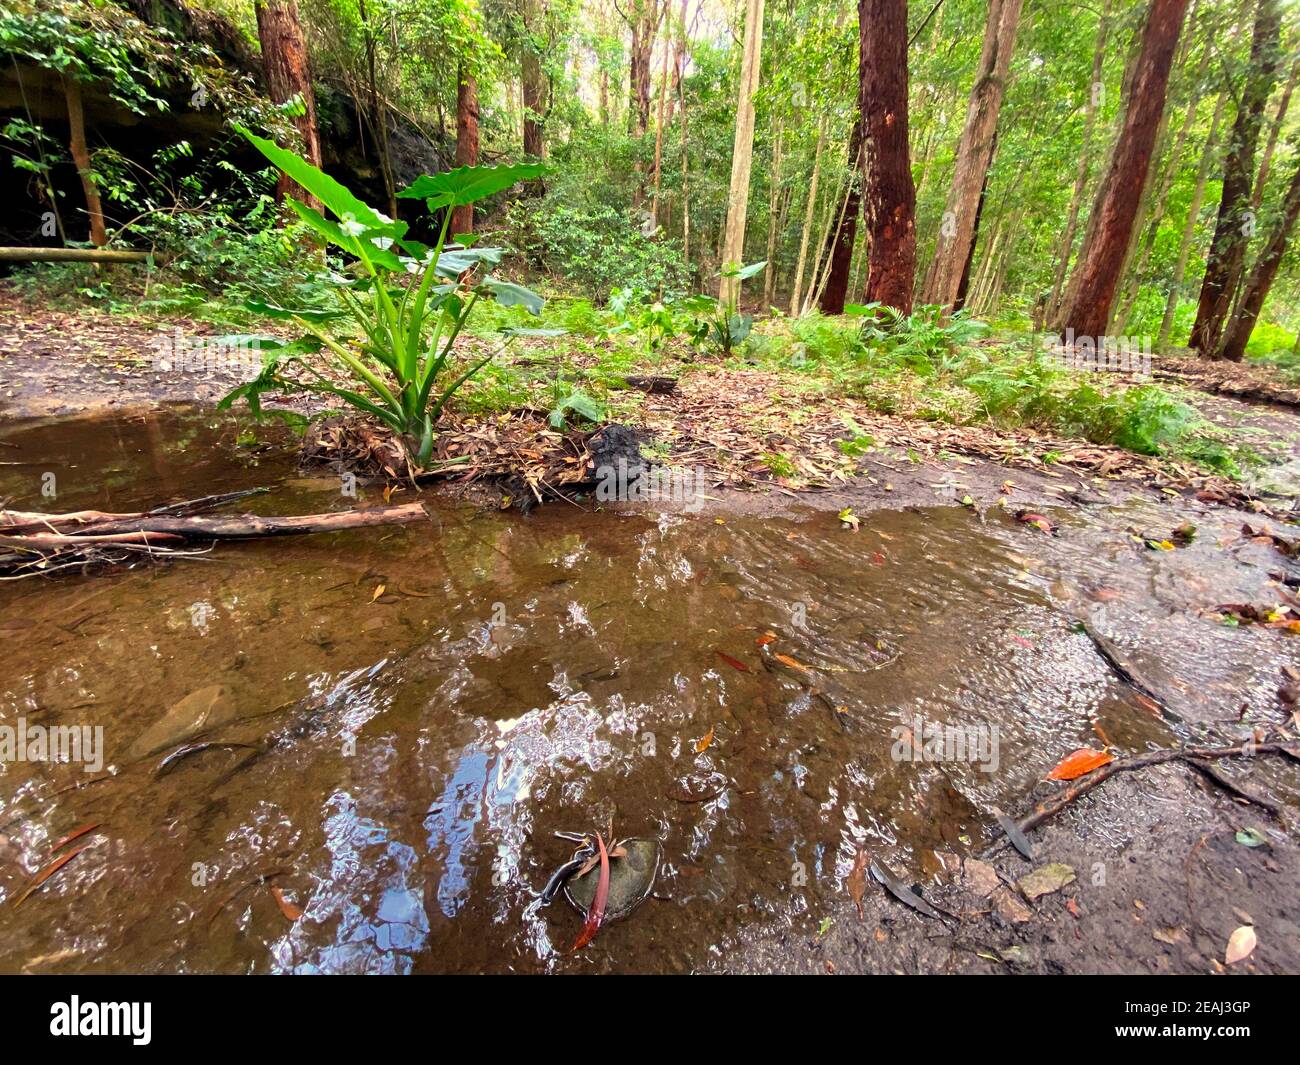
<point>1194,756</point>
<point>234,527</point>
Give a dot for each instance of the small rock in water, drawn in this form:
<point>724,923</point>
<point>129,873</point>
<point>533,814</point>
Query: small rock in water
<point>631,880</point>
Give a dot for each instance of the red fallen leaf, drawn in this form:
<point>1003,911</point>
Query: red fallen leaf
<point>596,914</point>
<point>1077,763</point>
<point>878,558</point>
<point>857,881</point>
<point>290,911</point>
<point>1022,641</point>
<point>1028,517</point>
<point>76,833</point>
<point>734,663</point>
<point>765,639</point>
<point>1073,907</point>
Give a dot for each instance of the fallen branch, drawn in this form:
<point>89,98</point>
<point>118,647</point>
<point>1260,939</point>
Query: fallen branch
<point>1193,756</point>
<point>30,542</point>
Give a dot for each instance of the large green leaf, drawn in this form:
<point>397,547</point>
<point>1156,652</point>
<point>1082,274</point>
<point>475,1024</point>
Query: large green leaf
<point>307,314</point>
<point>508,294</point>
<point>468,184</point>
<point>336,197</point>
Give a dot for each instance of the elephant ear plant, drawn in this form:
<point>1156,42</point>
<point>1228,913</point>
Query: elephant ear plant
<point>393,325</point>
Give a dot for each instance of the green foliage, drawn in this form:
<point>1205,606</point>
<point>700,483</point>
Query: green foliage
<point>410,301</point>
<point>596,248</point>
<point>924,341</point>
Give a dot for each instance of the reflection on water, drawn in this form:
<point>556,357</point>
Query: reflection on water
<point>428,705</point>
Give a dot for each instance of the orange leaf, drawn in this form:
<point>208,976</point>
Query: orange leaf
<point>792,663</point>
<point>287,908</point>
<point>765,639</point>
<point>76,833</point>
<point>1077,763</point>
<point>48,872</point>
<point>704,743</point>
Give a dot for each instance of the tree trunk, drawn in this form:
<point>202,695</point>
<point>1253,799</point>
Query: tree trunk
<point>1261,278</point>
<point>530,76</point>
<point>81,157</point>
<point>974,156</point>
<point>1189,227</point>
<point>1102,254</point>
<point>462,217</point>
<point>1257,194</point>
<point>287,67</point>
<point>963,285</point>
<point>1153,207</point>
<point>889,197</point>
<point>378,112</point>
<point>644,20</point>
<point>809,217</point>
<point>773,198</point>
<point>742,154</point>
<point>1226,261</point>
<point>659,141</point>
<point>1095,88</point>
<point>836,289</point>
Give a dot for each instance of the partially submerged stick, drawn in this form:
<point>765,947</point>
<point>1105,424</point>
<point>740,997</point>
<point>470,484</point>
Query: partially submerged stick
<point>235,527</point>
<point>1193,756</point>
<point>33,541</point>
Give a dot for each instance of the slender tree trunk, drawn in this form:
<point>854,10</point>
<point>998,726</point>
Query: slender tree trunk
<point>836,289</point>
<point>378,112</point>
<point>1189,227</point>
<point>1266,161</point>
<point>81,157</point>
<point>809,216</point>
<point>742,155</point>
<point>1226,261</point>
<point>1095,91</point>
<point>287,67</point>
<point>963,286</point>
<point>462,218</point>
<point>685,177</point>
<point>1102,255</point>
<point>888,194</point>
<point>1261,277</point>
<point>773,198</point>
<point>974,156</point>
<point>659,140</point>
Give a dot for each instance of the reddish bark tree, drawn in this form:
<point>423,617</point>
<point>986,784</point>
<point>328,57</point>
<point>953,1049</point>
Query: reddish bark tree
<point>1226,261</point>
<point>1261,278</point>
<point>889,197</point>
<point>81,158</point>
<point>534,93</point>
<point>288,74</point>
<point>974,156</point>
<point>836,291</point>
<point>462,218</point>
<point>1101,258</point>
<point>643,17</point>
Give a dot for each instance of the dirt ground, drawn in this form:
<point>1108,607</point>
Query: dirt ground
<point>1157,875</point>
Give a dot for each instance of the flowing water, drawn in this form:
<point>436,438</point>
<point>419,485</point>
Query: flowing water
<point>404,717</point>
